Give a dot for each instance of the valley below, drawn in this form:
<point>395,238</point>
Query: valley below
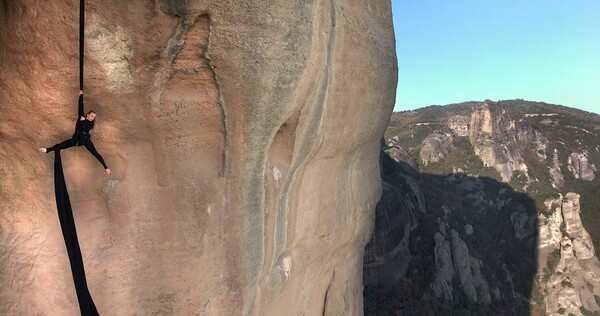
<point>488,208</point>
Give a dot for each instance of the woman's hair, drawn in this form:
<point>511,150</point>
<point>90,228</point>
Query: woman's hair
<point>90,112</point>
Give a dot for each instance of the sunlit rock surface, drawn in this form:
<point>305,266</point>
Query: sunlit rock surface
<point>498,135</point>
<point>243,139</point>
<point>558,180</point>
<point>459,124</point>
<point>436,146</point>
<point>581,166</point>
<point>569,271</point>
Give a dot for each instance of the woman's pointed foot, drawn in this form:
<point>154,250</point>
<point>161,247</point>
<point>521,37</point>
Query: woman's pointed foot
<point>42,149</point>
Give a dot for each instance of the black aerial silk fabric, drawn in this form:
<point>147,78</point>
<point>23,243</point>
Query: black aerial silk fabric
<point>67,224</point>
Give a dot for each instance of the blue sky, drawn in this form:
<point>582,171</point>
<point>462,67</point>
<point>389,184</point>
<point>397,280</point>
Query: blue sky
<point>461,50</point>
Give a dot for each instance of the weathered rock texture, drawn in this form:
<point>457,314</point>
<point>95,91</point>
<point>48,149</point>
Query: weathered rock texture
<point>452,260</point>
<point>439,143</point>
<point>399,154</point>
<point>498,134</point>
<point>568,270</point>
<point>558,180</point>
<point>581,167</point>
<point>436,146</point>
<point>459,124</point>
<point>495,256</point>
<point>387,253</point>
<point>244,154</point>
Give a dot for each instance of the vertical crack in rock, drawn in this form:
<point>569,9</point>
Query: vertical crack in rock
<point>308,131</point>
<point>299,141</point>
<point>324,309</point>
<point>221,100</point>
<point>188,96</point>
<point>295,143</point>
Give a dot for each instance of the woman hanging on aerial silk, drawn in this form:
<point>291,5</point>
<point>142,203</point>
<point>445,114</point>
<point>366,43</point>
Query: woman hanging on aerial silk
<point>82,134</point>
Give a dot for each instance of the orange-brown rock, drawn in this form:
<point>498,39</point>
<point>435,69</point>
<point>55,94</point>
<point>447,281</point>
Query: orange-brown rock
<point>243,139</point>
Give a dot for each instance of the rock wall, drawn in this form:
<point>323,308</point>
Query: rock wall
<point>568,270</point>
<point>438,144</point>
<point>498,134</point>
<point>452,259</point>
<point>387,253</point>
<point>558,180</point>
<point>579,164</point>
<point>243,149</point>
<point>459,124</point>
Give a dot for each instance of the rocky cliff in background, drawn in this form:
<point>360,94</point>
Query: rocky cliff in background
<point>510,216</point>
<point>499,134</point>
<point>569,272</point>
<point>243,149</point>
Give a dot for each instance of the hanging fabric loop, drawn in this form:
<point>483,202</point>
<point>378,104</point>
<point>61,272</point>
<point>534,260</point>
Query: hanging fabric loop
<point>63,205</point>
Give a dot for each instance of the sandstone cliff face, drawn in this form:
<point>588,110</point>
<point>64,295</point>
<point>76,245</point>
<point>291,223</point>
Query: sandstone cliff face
<point>497,135</point>
<point>244,154</point>
<point>387,253</point>
<point>439,143</point>
<point>452,260</point>
<point>572,282</point>
<point>460,125</point>
<point>558,180</point>
<point>581,167</point>
<point>436,146</point>
<point>399,154</point>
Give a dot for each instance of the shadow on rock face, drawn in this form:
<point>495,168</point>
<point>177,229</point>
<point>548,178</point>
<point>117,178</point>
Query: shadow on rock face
<point>450,244</point>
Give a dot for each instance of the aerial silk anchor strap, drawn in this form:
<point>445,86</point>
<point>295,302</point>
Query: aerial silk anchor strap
<point>67,224</point>
<point>65,213</point>
<point>81,38</point>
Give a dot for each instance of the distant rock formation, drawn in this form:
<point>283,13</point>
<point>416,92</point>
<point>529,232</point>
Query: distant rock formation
<point>569,272</point>
<point>452,259</point>
<point>460,125</point>
<point>399,154</point>
<point>558,180</point>
<point>444,268</point>
<point>515,251</point>
<point>498,134</point>
<point>524,225</point>
<point>387,253</point>
<point>439,143</point>
<point>581,167</point>
<point>436,146</point>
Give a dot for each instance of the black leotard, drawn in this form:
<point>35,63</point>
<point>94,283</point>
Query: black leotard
<point>81,136</point>
<point>83,126</point>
